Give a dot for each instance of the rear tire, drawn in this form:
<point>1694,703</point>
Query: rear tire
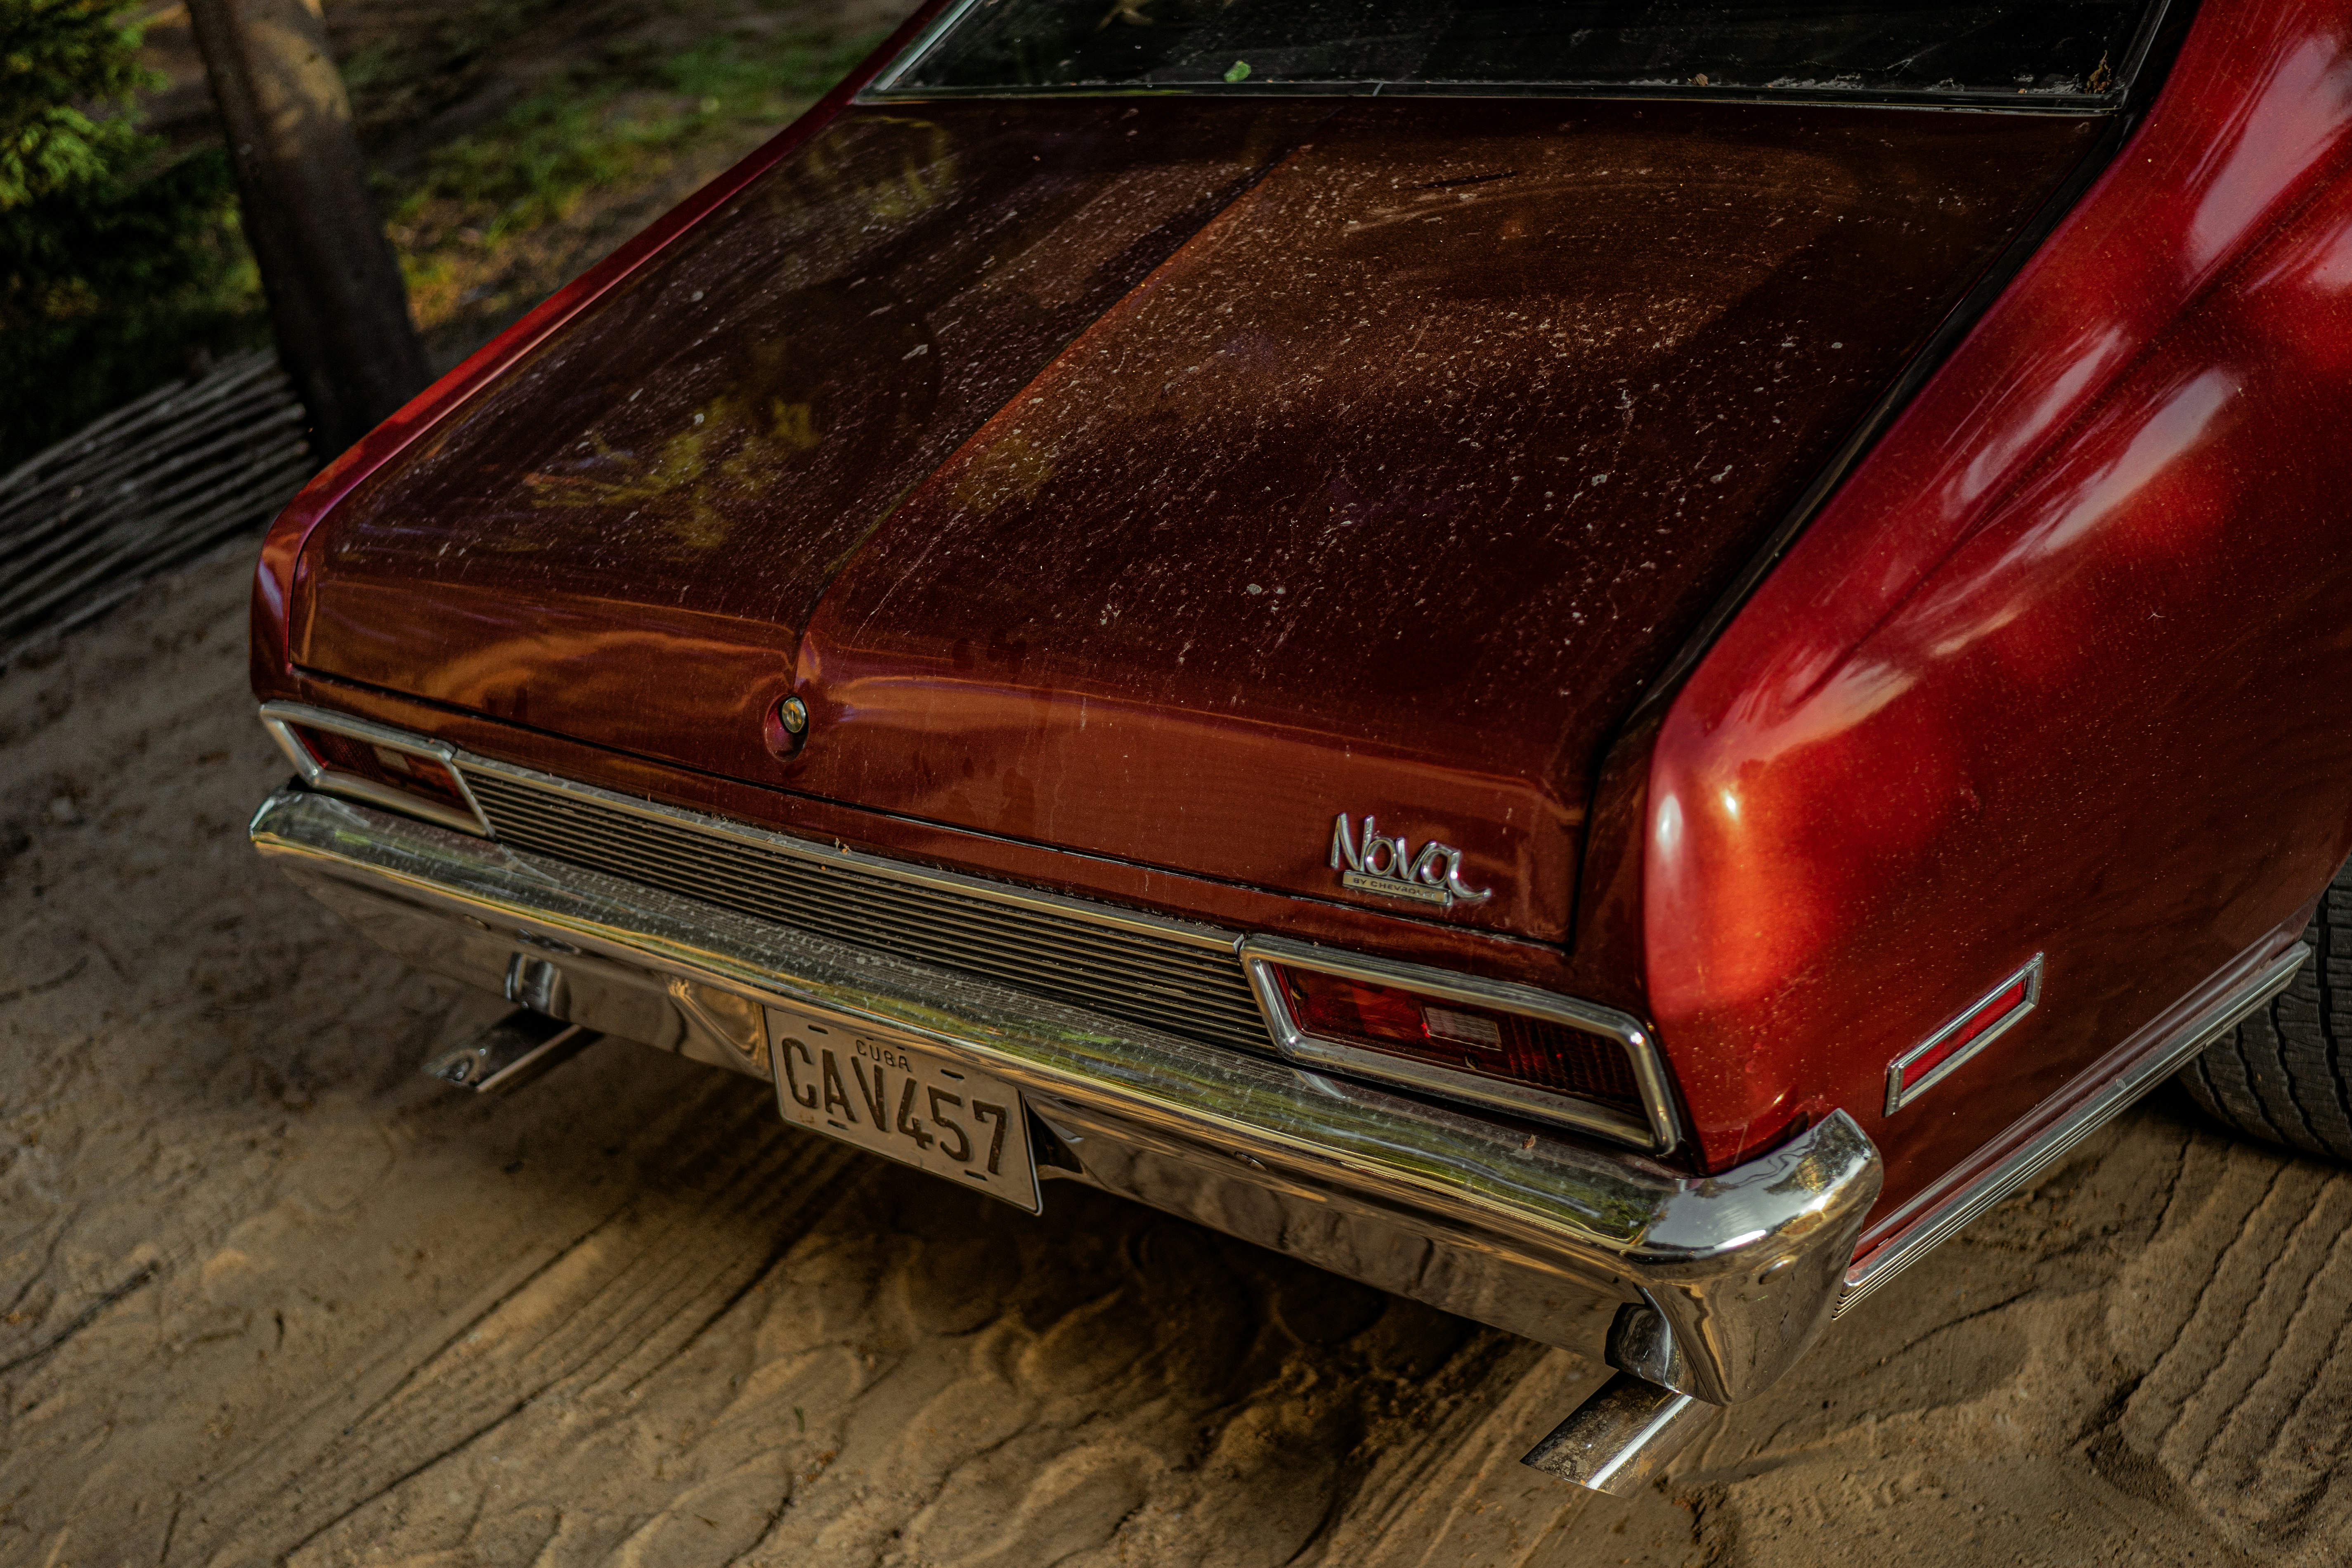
<point>2281,1075</point>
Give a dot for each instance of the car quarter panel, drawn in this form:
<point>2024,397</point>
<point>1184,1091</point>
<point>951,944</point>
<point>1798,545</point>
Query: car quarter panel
<point>2064,669</point>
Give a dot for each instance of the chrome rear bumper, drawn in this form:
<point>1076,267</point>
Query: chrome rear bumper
<point>1714,1286</point>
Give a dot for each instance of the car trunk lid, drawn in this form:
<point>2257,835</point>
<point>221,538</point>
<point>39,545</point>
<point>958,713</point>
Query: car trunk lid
<point>1251,488</point>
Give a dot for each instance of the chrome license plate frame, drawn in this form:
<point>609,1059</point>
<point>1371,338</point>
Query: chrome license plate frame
<point>933,1112</point>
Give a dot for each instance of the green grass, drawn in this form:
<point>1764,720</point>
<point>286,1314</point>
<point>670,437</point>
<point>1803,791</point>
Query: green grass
<point>533,165</point>
<point>432,60</point>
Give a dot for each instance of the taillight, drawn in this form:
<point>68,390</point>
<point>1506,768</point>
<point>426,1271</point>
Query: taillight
<point>408,772</point>
<point>351,757</point>
<point>1508,1046</point>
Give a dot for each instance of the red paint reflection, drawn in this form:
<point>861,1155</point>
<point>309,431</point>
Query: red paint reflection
<point>2063,666</point>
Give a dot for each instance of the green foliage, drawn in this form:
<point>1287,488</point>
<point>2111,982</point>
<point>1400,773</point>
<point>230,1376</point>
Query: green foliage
<point>116,266</point>
<point>57,56</point>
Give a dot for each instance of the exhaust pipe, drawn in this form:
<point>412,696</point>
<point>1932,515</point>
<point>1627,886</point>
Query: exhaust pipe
<point>1622,1437</point>
<point>517,1049</point>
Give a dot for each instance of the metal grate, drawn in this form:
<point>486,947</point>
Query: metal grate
<point>1144,977</point>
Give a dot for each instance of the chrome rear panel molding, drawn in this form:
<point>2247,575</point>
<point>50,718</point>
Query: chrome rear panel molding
<point>1167,974</point>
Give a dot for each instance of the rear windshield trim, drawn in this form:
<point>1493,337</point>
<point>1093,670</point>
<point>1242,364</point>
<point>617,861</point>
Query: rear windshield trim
<point>1860,98</point>
<point>884,88</point>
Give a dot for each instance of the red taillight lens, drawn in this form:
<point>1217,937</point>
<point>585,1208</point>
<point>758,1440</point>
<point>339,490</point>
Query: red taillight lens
<point>1506,1048</point>
<point>408,772</point>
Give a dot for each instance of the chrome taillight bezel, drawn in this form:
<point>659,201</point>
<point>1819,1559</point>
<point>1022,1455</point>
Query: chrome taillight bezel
<point>280,718</point>
<point>1657,1131</point>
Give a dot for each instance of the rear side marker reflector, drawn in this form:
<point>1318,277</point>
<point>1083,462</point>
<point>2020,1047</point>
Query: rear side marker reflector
<point>1938,1056</point>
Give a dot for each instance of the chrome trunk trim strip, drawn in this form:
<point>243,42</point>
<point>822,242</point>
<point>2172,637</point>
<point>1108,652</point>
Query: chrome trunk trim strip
<point>1742,1265</point>
<point>2244,986</point>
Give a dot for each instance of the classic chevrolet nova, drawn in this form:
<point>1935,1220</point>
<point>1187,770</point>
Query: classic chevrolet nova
<point>1604,664</point>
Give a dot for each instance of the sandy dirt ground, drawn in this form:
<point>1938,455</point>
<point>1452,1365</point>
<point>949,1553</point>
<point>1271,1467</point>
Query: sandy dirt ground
<point>267,1295</point>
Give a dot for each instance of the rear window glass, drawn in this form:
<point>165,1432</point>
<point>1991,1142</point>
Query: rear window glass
<point>2069,49</point>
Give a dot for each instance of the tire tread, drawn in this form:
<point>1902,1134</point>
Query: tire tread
<point>2281,1075</point>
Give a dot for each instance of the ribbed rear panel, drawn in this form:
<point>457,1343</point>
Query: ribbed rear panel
<point>1160,982</point>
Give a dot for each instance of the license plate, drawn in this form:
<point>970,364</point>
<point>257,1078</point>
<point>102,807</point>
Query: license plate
<point>901,1100</point>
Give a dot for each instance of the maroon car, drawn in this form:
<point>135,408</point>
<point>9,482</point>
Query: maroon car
<point>1604,663</point>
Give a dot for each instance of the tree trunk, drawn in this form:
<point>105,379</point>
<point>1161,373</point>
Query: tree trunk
<point>336,299</point>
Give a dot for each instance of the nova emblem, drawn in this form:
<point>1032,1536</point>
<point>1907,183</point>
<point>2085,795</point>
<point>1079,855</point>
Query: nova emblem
<point>1388,866</point>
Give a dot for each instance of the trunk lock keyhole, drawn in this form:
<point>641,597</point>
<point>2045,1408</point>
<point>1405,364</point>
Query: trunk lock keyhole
<point>786,727</point>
